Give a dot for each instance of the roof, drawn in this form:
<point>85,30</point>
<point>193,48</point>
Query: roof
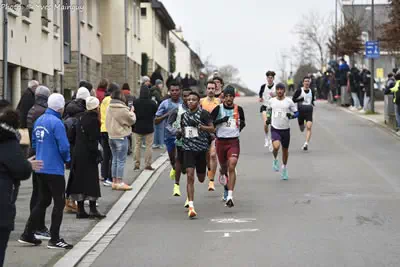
<point>162,12</point>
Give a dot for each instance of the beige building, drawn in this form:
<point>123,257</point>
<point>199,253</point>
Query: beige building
<point>155,26</point>
<point>122,49</point>
<point>84,36</point>
<point>35,46</point>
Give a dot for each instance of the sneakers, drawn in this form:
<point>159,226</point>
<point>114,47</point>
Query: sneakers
<point>305,147</point>
<point>136,169</point>
<point>275,165</point>
<point>107,182</point>
<point>177,191</point>
<point>122,187</point>
<point>70,206</point>
<point>225,196</point>
<point>172,174</point>
<point>223,179</point>
<point>187,203</point>
<point>149,168</point>
<point>29,240</point>
<point>229,203</point>
<point>43,234</point>
<point>192,213</point>
<point>211,186</point>
<point>284,174</point>
<point>266,144</point>
<point>59,244</point>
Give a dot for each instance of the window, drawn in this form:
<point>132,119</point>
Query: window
<point>89,8</point>
<point>161,33</point>
<point>134,18</point>
<point>98,16</point>
<point>56,11</point>
<point>67,32</point>
<point>138,21</point>
<point>144,11</point>
<point>26,8</point>
<point>45,15</point>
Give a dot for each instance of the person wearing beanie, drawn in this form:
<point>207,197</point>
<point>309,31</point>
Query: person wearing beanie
<point>281,110</point>
<point>50,141</point>
<point>42,94</point>
<point>229,121</point>
<point>146,81</point>
<point>82,93</point>
<point>107,155</point>
<point>84,183</point>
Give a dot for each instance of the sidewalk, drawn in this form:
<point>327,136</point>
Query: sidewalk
<point>72,229</point>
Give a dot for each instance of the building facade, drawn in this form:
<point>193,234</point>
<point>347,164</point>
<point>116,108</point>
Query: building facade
<point>34,42</point>
<point>155,26</point>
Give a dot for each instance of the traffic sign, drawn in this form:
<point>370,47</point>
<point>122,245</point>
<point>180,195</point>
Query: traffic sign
<point>372,49</point>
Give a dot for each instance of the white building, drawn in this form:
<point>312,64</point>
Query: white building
<point>155,26</point>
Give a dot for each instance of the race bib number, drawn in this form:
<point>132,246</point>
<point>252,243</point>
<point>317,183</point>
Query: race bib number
<point>231,123</point>
<point>279,114</point>
<point>191,132</point>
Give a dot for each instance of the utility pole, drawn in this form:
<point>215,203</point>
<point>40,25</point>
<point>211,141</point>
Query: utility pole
<point>372,99</point>
<point>336,30</point>
<point>79,43</point>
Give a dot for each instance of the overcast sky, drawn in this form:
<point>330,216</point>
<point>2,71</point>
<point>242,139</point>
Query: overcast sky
<point>247,34</point>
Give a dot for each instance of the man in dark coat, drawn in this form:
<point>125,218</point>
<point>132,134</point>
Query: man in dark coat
<point>156,76</point>
<point>83,183</point>
<point>145,110</point>
<point>42,94</point>
<point>26,102</point>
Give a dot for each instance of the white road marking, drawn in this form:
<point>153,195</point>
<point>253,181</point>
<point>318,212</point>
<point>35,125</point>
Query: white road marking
<point>227,235</point>
<point>231,231</point>
<point>233,220</point>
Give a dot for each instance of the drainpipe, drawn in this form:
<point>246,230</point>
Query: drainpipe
<point>126,41</point>
<point>61,33</point>
<point>79,43</point>
<point>6,94</point>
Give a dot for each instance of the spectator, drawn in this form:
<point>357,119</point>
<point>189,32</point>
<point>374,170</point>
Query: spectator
<point>87,85</point>
<point>42,94</point>
<point>366,87</point>
<point>156,76</point>
<point>156,92</point>
<point>146,81</point>
<point>84,184</point>
<point>170,80</point>
<point>26,102</point>
<point>52,147</point>
<point>178,80</point>
<point>185,82</point>
<point>129,102</point>
<point>13,168</point>
<point>107,155</point>
<point>101,89</point>
<point>119,121</point>
<point>354,80</point>
<point>343,70</point>
<point>145,110</point>
<point>156,96</point>
<point>395,90</point>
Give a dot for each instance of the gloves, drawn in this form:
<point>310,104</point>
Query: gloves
<point>224,119</point>
<point>290,116</point>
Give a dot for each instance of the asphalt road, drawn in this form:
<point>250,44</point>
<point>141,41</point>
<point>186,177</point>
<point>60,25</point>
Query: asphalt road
<point>338,208</point>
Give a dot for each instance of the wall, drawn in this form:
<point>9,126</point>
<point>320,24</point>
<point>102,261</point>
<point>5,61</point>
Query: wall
<point>182,55</point>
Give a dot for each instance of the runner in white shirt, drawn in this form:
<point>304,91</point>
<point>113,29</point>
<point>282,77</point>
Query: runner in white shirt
<point>281,110</point>
<point>267,91</point>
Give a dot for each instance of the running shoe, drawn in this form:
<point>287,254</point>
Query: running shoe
<point>29,240</point>
<point>43,234</point>
<point>285,174</point>
<point>59,244</point>
<point>172,174</point>
<point>192,213</point>
<point>211,186</point>
<point>187,203</point>
<point>223,179</point>
<point>275,165</point>
<point>177,191</point>
<point>225,196</point>
<point>266,144</point>
<point>229,203</point>
<point>305,147</point>
<point>107,183</point>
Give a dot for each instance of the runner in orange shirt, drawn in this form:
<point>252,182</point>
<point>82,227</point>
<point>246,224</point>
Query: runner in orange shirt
<point>209,103</point>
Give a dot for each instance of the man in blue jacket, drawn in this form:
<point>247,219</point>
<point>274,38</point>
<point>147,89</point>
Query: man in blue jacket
<point>50,141</point>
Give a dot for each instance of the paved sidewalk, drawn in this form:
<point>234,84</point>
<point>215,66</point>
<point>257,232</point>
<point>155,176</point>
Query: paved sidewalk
<point>72,229</point>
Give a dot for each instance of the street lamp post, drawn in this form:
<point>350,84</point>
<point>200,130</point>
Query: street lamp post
<point>372,99</point>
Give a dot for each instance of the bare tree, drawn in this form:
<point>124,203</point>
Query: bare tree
<point>313,32</point>
<point>229,74</point>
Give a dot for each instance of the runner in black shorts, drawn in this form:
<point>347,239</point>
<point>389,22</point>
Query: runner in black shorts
<point>196,126</point>
<point>173,125</point>
<point>305,97</point>
<point>282,109</point>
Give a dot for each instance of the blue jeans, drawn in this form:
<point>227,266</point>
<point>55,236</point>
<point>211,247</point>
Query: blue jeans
<point>397,112</point>
<point>356,100</point>
<point>119,150</point>
<point>159,134</point>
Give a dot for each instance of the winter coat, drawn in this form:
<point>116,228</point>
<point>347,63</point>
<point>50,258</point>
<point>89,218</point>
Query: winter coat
<point>84,178</point>
<point>343,70</point>
<point>145,110</point>
<point>25,104</point>
<point>129,98</point>
<point>119,120</point>
<point>13,168</point>
<point>156,76</point>
<point>74,108</point>
<point>100,94</point>
<point>103,112</point>
<point>50,141</point>
<point>354,78</point>
<point>35,112</point>
<point>155,95</point>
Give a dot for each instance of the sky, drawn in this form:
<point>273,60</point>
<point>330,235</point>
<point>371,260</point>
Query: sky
<point>249,34</point>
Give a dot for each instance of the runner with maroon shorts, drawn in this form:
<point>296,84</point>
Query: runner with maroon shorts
<point>229,122</point>
<point>282,109</point>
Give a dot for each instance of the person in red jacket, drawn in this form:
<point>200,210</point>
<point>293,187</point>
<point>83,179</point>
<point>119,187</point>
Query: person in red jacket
<point>101,89</point>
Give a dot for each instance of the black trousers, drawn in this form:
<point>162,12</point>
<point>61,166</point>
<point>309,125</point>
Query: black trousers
<point>107,157</point>
<point>51,187</point>
<point>35,201</point>
<point>4,236</point>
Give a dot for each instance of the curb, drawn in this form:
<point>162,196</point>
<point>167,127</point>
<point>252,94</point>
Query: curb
<point>75,255</point>
<point>365,117</point>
